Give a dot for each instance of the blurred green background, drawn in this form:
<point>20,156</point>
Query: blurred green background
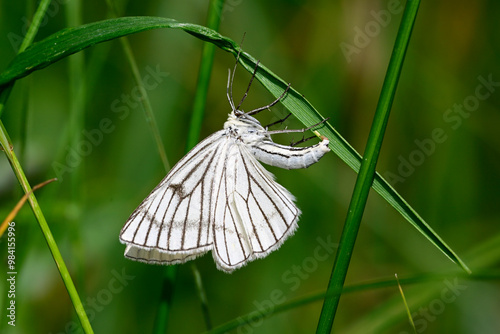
<point>441,152</point>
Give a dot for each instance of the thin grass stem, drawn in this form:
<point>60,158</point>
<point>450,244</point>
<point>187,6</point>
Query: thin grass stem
<point>407,308</point>
<point>202,295</point>
<point>56,254</point>
<point>146,103</point>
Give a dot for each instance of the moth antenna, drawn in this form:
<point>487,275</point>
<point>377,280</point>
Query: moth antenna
<point>229,93</point>
<point>249,84</point>
<point>230,80</point>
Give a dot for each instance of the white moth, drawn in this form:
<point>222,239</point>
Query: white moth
<point>219,198</point>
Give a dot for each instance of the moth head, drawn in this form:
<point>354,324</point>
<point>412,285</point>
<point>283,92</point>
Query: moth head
<point>243,121</point>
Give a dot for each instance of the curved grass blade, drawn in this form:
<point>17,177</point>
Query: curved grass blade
<point>72,40</point>
<point>69,41</point>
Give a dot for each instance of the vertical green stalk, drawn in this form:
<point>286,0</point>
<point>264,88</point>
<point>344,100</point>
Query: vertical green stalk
<point>207,58</point>
<point>202,295</point>
<point>63,270</point>
<point>367,169</point>
<point>77,89</point>
<point>25,91</point>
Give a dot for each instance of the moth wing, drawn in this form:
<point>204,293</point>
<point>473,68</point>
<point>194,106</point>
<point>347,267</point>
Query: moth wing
<point>253,214</point>
<point>172,225</point>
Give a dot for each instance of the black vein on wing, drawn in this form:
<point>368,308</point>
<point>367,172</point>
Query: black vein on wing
<point>272,186</point>
<point>250,192</point>
<point>202,191</point>
<point>224,215</point>
<point>233,219</point>
<point>201,183</point>
<point>221,184</point>
<point>149,216</point>
<point>276,187</point>
<point>286,148</point>
<point>177,190</point>
<point>218,185</point>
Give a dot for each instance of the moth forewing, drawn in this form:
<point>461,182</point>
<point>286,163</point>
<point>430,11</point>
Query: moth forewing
<point>175,217</point>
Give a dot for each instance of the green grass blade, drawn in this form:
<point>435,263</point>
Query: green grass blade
<point>56,254</point>
<point>35,25</point>
<point>69,41</point>
<point>367,171</point>
<point>72,40</point>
